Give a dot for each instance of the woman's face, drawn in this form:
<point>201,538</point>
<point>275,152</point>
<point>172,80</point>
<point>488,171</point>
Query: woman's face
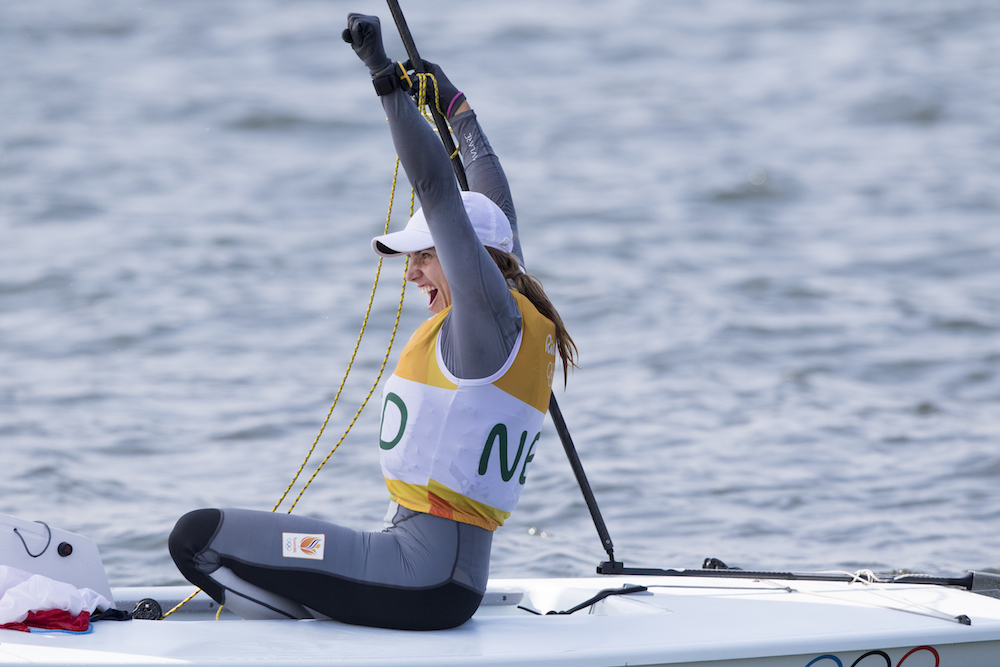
<point>425,270</point>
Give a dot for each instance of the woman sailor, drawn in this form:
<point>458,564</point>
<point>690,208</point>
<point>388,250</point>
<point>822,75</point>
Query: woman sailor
<point>462,413</point>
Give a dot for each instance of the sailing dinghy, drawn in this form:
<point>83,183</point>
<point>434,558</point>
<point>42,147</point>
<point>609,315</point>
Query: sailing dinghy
<point>710,617</point>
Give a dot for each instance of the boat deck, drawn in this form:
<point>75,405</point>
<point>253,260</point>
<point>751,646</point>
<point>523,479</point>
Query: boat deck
<point>676,621</point>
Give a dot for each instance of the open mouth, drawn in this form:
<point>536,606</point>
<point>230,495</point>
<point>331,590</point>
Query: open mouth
<point>431,292</point>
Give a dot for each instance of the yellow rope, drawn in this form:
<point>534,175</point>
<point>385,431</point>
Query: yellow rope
<point>385,359</point>
<point>182,603</point>
<point>381,369</point>
<point>357,344</point>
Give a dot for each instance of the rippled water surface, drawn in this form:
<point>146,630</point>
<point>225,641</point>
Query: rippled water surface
<point>773,228</point>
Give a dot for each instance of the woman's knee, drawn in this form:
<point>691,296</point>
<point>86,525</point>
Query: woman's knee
<point>192,533</point>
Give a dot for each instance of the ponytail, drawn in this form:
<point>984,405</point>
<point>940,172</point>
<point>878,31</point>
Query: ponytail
<point>531,288</point>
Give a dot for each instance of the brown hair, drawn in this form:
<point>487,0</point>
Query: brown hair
<point>530,287</point>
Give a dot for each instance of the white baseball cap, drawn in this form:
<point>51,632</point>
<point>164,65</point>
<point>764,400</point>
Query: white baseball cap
<point>489,221</point>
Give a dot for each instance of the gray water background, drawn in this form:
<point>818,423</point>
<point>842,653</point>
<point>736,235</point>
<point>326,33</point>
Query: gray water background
<point>773,228</point>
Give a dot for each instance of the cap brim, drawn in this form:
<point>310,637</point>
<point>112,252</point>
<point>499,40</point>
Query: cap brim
<point>402,242</point>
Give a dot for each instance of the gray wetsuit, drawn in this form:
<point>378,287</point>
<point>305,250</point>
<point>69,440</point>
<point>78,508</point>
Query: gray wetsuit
<point>421,572</point>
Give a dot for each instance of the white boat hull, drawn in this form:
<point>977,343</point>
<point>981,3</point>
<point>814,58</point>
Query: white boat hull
<point>678,621</point>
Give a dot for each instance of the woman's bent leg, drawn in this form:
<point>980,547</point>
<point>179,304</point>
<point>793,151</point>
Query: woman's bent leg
<point>188,546</point>
<point>422,573</point>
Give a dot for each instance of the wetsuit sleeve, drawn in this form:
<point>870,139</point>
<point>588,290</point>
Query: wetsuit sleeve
<point>483,170</point>
<point>479,332</point>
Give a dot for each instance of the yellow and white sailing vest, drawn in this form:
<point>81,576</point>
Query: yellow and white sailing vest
<point>458,448</point>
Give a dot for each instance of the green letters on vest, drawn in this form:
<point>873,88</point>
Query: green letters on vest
<point>402,421</point>
<point>506,473</point>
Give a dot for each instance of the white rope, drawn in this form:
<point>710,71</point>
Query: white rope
<point>867,578</point>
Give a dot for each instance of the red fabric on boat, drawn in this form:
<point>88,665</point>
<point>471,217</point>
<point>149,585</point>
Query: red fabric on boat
<point>52,619</point>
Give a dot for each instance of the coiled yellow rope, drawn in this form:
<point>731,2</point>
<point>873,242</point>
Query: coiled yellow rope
<point>424,105</point>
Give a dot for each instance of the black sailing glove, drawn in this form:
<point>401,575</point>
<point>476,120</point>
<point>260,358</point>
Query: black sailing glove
<point>364,34</point>
<point>450,96</point>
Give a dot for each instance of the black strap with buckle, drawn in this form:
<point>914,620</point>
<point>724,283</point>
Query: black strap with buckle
<point>392,78</point>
